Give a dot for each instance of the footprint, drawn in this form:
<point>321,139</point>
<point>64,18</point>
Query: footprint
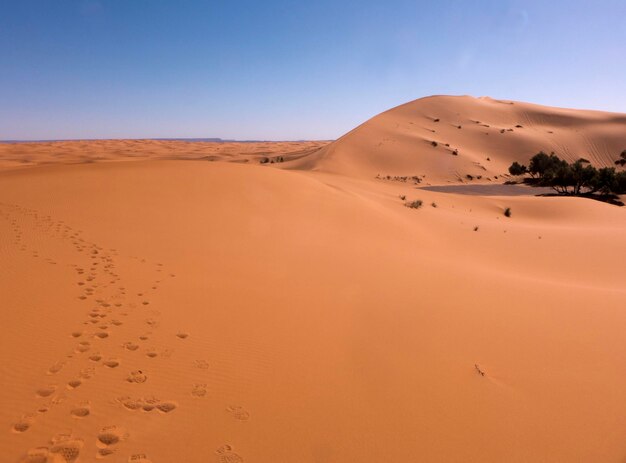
<point>238,412</point>
<point>109,436</point>
<point>111,363</point>
<point>73,384</point>
<point>54,369</point>
<point>225,454</point>
<point>66,447</point>
<point>152,354</point>
<point>82,410</point>
<point>139,458</point>
<point>166,407</point>
<point>82,347</point>
<point>95,357</point>
<point>23,424</point>
<point>102,334</point>
<point>87,373</point>
<point>137,376</point>
<point>46,391</point>
<point>130,346</point>
<point>182,335</point>
<point>199,390</point>
<point>130,404</point>
<point>76,334</point>
<point>201,364</point>
<point>37,455</point>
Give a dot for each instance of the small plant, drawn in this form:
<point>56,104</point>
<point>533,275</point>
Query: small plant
<point>402,197</point>
<point>507,212</point>
<point>476,228</point>
<point>518,126</point>
<point>455,153</point>
<point>436,120</point>
<point>433,204</point>
<point>434,143</point>
<point>470,177</point>
<point>264,160</point>
<point>479,370</point>
<point>415,204</point>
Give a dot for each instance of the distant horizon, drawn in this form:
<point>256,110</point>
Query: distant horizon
<point>189,139</point>
<point>94,69</point>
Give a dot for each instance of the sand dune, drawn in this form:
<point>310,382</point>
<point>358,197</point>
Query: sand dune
<point>161,311</point>
<point>445,138</point>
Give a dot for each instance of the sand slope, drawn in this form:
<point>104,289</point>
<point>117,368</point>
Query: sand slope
<point>164,311</point>
<point>475,136</point>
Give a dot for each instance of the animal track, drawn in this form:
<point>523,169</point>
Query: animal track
<point>182,335</point>
<point>238,412</point>
<point>111,363</point>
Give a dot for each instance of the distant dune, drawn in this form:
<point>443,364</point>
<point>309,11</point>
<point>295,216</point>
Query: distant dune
<point>445,138</point>
<point>161,308</point>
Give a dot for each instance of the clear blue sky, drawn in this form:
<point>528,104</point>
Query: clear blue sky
<point>278,69</point>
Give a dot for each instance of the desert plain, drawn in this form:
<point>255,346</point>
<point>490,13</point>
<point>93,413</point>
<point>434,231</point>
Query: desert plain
<point>175,301</point>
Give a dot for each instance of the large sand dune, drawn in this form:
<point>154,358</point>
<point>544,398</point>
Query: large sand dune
<point>169,311</point>
<point>445,138</point>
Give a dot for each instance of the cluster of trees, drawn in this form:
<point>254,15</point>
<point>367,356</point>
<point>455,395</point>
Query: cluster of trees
<point>576,178</point>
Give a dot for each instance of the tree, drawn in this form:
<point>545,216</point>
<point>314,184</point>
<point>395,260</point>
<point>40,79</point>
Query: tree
<point>577,178</point>
<point>622,159</point>
<point>517,169</point>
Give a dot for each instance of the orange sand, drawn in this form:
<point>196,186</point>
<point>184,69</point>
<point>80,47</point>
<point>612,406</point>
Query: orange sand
<point>160,310</point>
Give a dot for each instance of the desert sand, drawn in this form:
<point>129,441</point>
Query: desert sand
<point>171,309</point>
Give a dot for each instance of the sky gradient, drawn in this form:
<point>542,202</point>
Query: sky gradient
<point>287,70</point>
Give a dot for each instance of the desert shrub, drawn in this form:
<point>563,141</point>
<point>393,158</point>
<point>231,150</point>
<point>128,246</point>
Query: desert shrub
<point>434,143</point>
<point>402,197</point>
<point>433,204</point>
<point>415,204</point>
<point>264,160</point>
<point>507,212</point>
